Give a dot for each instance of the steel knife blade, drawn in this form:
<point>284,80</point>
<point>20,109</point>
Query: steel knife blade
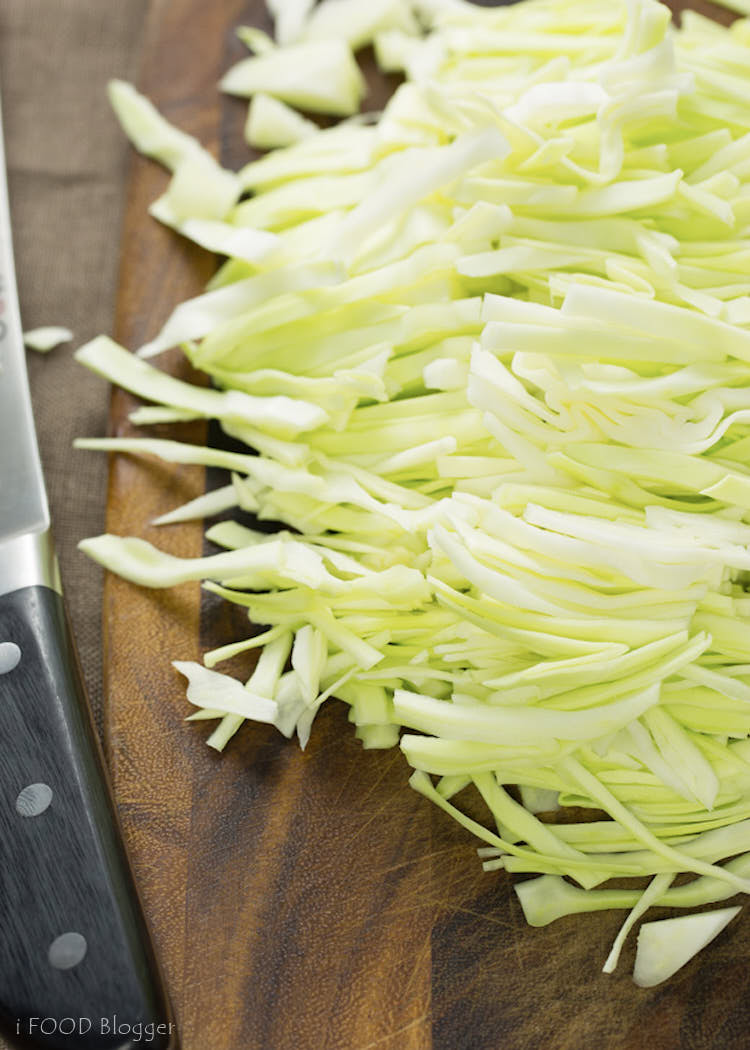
<point>77,970</point>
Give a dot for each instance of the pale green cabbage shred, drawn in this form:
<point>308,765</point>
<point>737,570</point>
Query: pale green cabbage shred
<point>46,338</point>
<point>665,946</point>
<point>490,355</point>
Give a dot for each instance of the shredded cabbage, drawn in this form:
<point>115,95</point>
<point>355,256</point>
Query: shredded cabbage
<point>46,338</point>
<point>489,358</point>
<point>665,946</point>
<point>271,123</point>
<point>318,75</point>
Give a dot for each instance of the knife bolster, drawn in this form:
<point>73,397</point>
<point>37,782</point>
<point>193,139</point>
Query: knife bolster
<point>29,561</point>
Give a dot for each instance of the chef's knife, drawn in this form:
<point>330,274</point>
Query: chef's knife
<point>76,968</point>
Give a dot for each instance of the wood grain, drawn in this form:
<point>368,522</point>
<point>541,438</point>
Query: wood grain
<point>311,900</point>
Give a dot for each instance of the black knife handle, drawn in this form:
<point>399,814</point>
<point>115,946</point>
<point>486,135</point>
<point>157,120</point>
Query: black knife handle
<point>76,968</point>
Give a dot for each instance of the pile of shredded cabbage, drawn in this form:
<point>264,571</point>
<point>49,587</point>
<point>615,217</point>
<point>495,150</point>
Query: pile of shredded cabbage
<point>490,357</point>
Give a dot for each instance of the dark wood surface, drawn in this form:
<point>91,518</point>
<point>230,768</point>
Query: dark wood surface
<point>312,901</point>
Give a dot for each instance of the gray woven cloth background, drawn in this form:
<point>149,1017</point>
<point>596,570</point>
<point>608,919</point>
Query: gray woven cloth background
<point>67,163</point>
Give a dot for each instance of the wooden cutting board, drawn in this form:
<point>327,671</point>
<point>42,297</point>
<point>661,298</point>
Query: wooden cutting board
<point>312,901</point>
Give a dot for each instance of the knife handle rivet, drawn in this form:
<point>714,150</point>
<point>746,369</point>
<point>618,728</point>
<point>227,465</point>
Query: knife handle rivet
<point>10,656</point>
<point>67,950</point>
<point>33,800</point>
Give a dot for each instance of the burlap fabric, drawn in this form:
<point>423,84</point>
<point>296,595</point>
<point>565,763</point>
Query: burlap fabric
<point>67,163</point>
<point>67,167</point>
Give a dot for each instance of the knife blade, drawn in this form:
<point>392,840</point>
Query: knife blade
<point>77,970</point>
